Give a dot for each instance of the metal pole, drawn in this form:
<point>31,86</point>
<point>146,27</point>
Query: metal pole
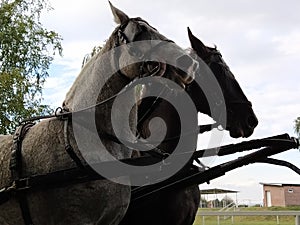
<point>297,220</point>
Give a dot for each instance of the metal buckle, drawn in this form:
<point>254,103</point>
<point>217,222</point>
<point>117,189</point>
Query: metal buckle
<point>22,184</point>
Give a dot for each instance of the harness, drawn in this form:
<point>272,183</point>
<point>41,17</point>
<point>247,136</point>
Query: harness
<point>20,185</point>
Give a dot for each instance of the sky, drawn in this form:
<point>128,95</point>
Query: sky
<point>259,40</point>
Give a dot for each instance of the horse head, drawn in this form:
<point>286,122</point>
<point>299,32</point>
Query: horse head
<point>241,119</point>
<point>151,51</point>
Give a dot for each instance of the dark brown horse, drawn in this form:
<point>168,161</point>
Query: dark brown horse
<point>241,119</point>
<point>179,207</point>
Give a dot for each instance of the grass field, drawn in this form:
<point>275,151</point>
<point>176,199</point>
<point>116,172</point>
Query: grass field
<point>251,220</point>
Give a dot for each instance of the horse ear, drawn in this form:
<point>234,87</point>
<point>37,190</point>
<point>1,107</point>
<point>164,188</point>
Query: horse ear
<point>119,16</point>
<point>197,45</point>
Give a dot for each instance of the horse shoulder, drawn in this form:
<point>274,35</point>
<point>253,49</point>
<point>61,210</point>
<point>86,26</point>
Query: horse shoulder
<point>43,148</point>
<point>5,149</point>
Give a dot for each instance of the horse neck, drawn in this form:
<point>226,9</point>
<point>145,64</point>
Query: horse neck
<point>96,82</point>
<point>151,108</point>
<point>199,98</point>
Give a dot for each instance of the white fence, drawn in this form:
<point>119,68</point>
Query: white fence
<point>249,213</point>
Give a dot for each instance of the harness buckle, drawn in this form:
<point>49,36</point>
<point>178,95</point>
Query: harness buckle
<point>61,113</point>
<point>22,184</point>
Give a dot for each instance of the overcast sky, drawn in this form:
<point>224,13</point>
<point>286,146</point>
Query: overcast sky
<point>259,40</point>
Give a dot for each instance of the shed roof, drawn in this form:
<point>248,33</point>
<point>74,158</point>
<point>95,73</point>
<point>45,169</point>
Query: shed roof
<point>279,184</point>
<point>216,191</point>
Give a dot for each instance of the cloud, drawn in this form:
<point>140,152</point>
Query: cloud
<point>64,71</point>
<point>288,44</point>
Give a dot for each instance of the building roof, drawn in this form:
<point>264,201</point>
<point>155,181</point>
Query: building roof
<point>278,184</point>
<point>216,191</point>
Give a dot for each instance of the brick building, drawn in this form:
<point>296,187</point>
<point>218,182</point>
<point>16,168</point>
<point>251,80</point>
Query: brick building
<point>276,194</point>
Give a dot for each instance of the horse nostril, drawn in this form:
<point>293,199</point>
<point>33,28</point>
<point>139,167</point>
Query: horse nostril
<point>252,121</point>
<point>184,62</point>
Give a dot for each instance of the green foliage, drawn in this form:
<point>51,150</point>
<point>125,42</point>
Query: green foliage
<point>217,203</point>
<point>297,126</point>
<point>26,52</point>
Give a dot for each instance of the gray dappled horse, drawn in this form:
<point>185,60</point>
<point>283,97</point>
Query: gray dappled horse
<point>99,202</point>
<point>179,207</point>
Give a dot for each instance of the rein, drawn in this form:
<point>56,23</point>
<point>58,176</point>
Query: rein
<point>62,113</point>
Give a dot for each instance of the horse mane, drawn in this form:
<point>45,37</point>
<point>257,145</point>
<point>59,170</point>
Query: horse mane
<point>213,48</point>
<point>88,56</point>
<point>109,44</point>
<point>88,62</point>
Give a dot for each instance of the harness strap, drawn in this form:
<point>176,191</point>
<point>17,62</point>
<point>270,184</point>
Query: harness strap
<point>68,147</point>
<point>4,195</point>
<point>15,167</point>
<point>22,197</point>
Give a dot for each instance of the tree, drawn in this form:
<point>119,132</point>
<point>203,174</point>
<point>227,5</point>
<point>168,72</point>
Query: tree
<point>297,126</point>
<point>227,201</point>
<point>203,203</point>
<point>216,203</point>
<point>26,52</point>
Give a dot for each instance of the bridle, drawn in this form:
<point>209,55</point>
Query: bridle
<point>143,57</point>
<point>214,56</point>
<point>122,39</point>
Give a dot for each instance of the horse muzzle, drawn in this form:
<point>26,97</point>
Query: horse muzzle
<point>243,127</point>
